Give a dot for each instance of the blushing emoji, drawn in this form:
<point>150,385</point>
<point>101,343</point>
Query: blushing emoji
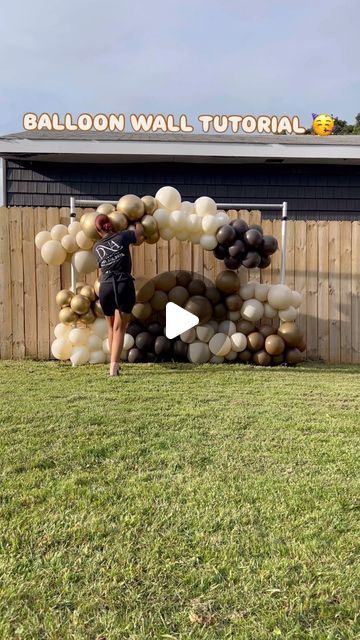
<point>323,124</point>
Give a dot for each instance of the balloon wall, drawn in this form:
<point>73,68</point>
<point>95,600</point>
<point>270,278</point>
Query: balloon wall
<point>249,323</point>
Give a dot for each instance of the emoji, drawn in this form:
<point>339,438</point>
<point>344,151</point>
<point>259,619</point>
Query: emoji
<point>323,124</point>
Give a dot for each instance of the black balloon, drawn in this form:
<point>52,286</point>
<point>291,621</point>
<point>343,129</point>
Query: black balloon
<point>220,252</point>
<point>237,249</point>
<point>135,355</point>
<point>264,262</point>
<point>134,328</point>
<point>150,356</point>
<point>226,235</point>
<point>256,226</point>
<point>232,263</point>
<point>162,346</point>
<point>144,341</point>
<point>253,238</point>
<point>252,260</point>
<point>196,287</point>
<point>240,227</point>
<point>155,328</point>
<point>269,245</point>
<point>180,349</point>
<point>213,294</point>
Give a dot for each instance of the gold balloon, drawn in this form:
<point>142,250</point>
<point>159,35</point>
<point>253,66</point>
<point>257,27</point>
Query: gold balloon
<point>80,304</point>
<point>105,208</point>
<point>63,297</point>
<point>79,286</point>
<point>119,220</point>
<point>97,286</point>
<point>150,226</point>
<point>98,309</point>
<point>89,292</point>
<point>89,317</point>
<point>150,204</point>
<point>88,225</point>
<point>68,316</point>
<point>131,206</point>
<point>153,239</point>
<point>290,333</point>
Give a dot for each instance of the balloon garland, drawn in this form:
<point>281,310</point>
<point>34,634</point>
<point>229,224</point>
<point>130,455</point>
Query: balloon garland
<point>231,315</point>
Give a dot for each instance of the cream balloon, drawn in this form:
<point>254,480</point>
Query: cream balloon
<point>238,342</point>
<point>105,346</point>
<point>61,330</point>
<point>69,243</point>
<point>217,359</point>
<point>84,241</point>
<point>288,315</point>
<point>208,242</point>
<point>223,217</point>
<point>53,253</point>
<point>220,344</point>
<point>279,296</point>
<point>74,227</point>
<point>61,348</point>
<point>252,310</point>
<point>79,356</point>
<point>247,291</point>
<point>84,261</point>
<point>177,220</point>
<point>41,238</point>
<point>168,198</point>
<point>58,231</point>
<point>99,327</point>
<point>231,356</point>
<point>97,357</point>
<point>187,207</point>
<point>193,223</point>
<point>182,235</point>
<point>205,206</point>
<point>94,343</point>
<point>188,336</point>
<point>78,337</point>
<point>228,327</point>
<point>269,311</point>
<point>162,218</point>
<point>210,224</point>
<point>198,352</point>
<point>128,341</point>
<point>194,238</point>
<point>296,299</point>
<point>166,233</point>
<point>261,292</point>
<point>204,332</point>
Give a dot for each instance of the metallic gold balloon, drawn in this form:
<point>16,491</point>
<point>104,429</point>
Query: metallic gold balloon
<point>80,304</point>
<point>105,208</point>
<point>89,317</point>
<point>79,286</point>
<point>68,316</point>
<point>290,333</point>
<point>98,309</point>
<point>131,206</point>
<point>119,220</point>
<point>88,225</point>
<point>149,225</point>
<point>63,297</point>
<point>153,239</point>
<point>89,292</point>
<point>150,204</point>
<point>97,286</point>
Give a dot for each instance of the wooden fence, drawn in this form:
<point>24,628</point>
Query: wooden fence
<point>323,263</point>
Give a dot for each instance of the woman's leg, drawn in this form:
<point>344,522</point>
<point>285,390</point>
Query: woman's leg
<point>110,324</point>
<point>118,332</point>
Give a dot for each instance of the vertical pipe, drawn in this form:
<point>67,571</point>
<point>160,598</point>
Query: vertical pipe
<point>283,243</point>
<point>73,219</point>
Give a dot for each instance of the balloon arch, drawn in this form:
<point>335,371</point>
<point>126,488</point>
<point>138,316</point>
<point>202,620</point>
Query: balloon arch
<point>251,323</point>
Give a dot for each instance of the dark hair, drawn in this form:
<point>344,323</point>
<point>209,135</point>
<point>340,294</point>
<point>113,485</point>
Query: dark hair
<point>103,224</point>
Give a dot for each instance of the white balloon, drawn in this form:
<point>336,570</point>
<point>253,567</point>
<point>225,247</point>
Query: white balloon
<point>61,348</point>
<point>279,296</point>
<point>220,344</point>
<point>79,356</point>
<point>252,310</point>
<point>83,241</point>
<point>205,206</point>
<point>211,224</point>
<point>231,356</point>
<point>94,342</point>
<point>62,330</point>
<point>188,336</point>
<point>97,357</point>
<point>182,235</point>
<point>208,242</point>
<point>238,342</point>
<point>166,233</point>
<point>84,261</point>
<point>193,223</point>
<point>53,253</point>
<point>69,243</point>
<point>296,299</point>
<point>99,327</point>
<point>269,311</point>
<point>198,352</point>
<point>58,231</point>
<point>74,228</point>
<point>288,315</point>
<point>187,207</point>
<point>247,291</point>
<point>228,327</point>
<point>41,238</point>
<point>168,198</point>
<point>261,292</point>
<point>78,336</point>
<point>177,220</point>
<point>105,346</point>
<point>128,342</point>
<point>162,218</point>
<point>217,359</point>
<point>223,217</point>
<point>205,332</point>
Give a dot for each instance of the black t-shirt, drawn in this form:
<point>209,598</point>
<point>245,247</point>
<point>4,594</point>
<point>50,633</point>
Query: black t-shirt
<point>113,255</point>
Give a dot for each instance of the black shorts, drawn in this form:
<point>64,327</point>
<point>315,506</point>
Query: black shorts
<point>115,294</point>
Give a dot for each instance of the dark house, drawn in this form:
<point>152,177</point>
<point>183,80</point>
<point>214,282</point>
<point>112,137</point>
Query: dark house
<point>319,177</point>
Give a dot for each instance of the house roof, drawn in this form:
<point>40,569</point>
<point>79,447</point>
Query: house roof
<point>93,146</point>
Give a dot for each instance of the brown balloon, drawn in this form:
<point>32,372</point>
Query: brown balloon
<point>179,295</point>
<point>302,344</point>
<point>245,356</point>
<point>233,302</point>
<point>293,356</point>
<point>245,327</point>
<point>97,308</point>
<point>63,297</point>
<point>67,315</point>
<point>213,294</point>
<point>119,221</point>
<point>105,208</point>
<point>227,282</point>
<point>131,206</point>
<point>220,311</point>
<point>142,310</point>
<point>144,289</point>
<point>183,278</point>
<point>80,304</point>
<point>196,287</point>
<point>165,281</point>
<point>150,204</point>
<point>89,292</point>
<point>159,301</point>
<point>290,333</point>
<point>274,345</point>
<point>200,307</point>
<point>277,360</point>
<point>262,358</point>
<point>266,330</point>
<point>255,341</point>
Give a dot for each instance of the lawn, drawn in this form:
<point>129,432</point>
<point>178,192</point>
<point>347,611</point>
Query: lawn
<point>179,502</point>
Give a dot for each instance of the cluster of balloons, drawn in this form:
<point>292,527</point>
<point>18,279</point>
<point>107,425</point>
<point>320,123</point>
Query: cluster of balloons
<point>83,306</point>
<point>164,216</point>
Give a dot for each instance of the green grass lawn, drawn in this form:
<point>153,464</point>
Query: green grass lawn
<point>179,502</point>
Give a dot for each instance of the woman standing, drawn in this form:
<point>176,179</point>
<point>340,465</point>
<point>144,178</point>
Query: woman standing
<point>117,291</point>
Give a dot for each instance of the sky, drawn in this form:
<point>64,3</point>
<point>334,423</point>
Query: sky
<point>180,56</point>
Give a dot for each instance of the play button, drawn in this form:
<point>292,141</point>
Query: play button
<point>178,320</point>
